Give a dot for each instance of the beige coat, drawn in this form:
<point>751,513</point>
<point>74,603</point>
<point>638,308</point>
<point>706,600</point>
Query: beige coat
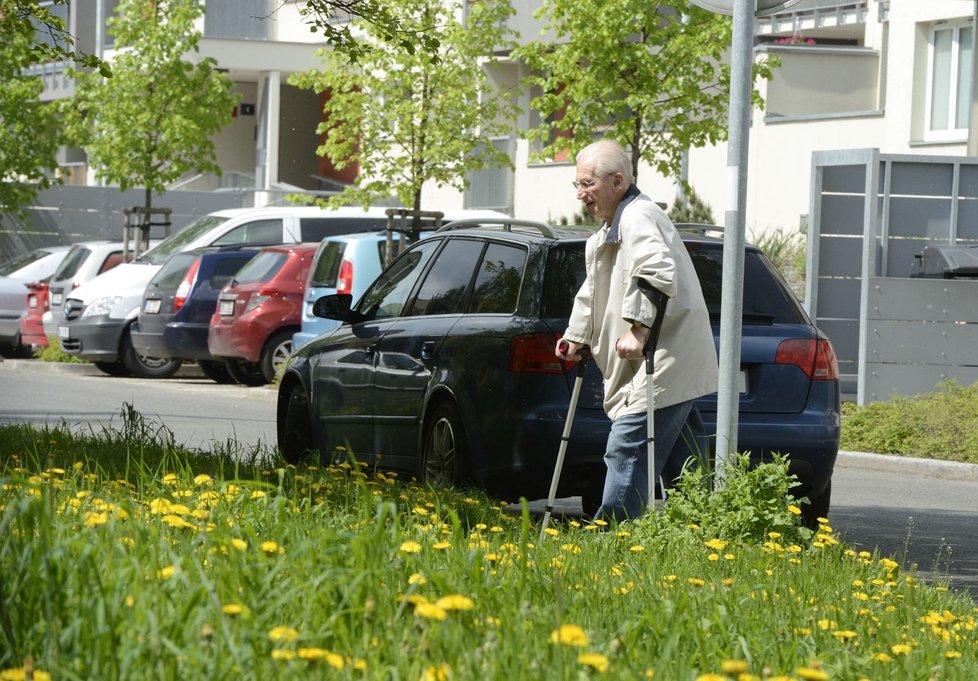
<point>642,243</point>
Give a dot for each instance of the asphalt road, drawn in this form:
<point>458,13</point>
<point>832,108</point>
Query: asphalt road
<point>922,513</point>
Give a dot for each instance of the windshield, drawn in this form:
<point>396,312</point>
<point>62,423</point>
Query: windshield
<point>69,266</point>
<point>179,241</point>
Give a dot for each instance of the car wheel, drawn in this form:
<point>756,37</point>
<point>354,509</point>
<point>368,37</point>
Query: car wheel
<point>112,368</point>
<point>295,435</point>
<point>245,373</point>
<point>445,453</point>
<point>141,366</point>
<point>818,508</point>
<point>216,371</point>
<point>276,353</point>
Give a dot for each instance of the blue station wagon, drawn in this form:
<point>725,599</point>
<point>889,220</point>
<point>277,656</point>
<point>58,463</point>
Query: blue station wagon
<point>445,368</point>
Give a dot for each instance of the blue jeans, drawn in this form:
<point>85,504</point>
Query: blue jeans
<point>679,435</point>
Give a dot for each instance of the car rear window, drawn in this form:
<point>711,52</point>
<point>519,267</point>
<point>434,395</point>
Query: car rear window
<point>327,266</point>
<point>173,271</point>
<point>17,263</point>
<point>179,241</point>
<point>77,255</point>
<point>564,276</point>
<point>767,298</point>
<point>262,267</point>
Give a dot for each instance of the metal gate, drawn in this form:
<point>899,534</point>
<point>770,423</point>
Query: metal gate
<point>871,214</point>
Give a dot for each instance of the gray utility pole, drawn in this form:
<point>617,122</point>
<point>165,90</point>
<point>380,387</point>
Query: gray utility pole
<point>734,223</point>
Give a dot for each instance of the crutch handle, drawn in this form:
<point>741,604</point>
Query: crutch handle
<point>659,300</point>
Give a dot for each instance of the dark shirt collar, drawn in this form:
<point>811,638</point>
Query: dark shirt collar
<point>630,195</point>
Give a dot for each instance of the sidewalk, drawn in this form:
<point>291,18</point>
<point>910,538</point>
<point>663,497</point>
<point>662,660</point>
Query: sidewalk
<point>80,368</point>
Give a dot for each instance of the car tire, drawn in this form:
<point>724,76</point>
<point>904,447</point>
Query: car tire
<point>141,366</point>
<point>275,354</point>
<point>817,508</point>
<point>295,435</point>
<point>445,455</point>
<point>216,371</point>
<point>245,373</point>
<point>112,368</point>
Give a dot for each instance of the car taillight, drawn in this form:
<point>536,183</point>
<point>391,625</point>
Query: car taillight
<point>814,356</point>
<point>183,290</point>
<point>344,281</point>
<point>534,353</point>
<point>259,297</point>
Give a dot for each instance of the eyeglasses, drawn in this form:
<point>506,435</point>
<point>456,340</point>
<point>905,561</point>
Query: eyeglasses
<point>587,184</point>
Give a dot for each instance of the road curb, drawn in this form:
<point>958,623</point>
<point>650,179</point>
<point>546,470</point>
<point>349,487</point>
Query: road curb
<point>934,468</point>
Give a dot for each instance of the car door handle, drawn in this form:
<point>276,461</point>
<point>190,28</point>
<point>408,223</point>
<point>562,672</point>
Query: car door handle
<point>370,350</point>
<point>427,349</point>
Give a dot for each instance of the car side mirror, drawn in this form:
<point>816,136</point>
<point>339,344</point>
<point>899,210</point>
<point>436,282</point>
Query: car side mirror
<point>335,306</point>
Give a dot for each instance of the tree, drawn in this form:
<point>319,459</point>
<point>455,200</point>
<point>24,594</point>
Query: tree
<point>322,15</point>
<point>409,117</point>
<point>152,121</point>
<point>647,73</point>
<point>29,133</point>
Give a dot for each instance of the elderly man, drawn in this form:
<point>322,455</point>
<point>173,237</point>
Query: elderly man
<point>636,246</point>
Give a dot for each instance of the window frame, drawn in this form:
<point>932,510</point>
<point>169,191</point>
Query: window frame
<point>950,133</point>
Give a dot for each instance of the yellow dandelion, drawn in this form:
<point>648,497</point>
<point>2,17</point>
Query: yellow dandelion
<point>233,609</point>
<point>696,581</point>
<point>952,654</point>
<point>176,521</point>
<point>270,548</point>
<point>417,578</point>
<point>715,544</point>
<point>595,661</point>
<point>203,479</point>
<point>439,673</point>
<point>570,548</point>
<point>552,532</point>
<point>94,519</point>
<point>239,544</point>
<point>710,676</point>
<point>410,547</point>
<point>794,510</point>
<point>569,634</point>
<point>882,657</point>
<point>455,602</point>
<point>733,666</point>
<point>900,649</point>
<point>167,572</point>
<point>636,549</point>
<point>844,635</point>
<point>442,546</point>
<point>430,611</point>
<point>283,655</point>
<point>282,633</point>
<point>811,674</point>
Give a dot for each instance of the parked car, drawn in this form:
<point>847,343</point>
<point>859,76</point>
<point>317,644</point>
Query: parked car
<point>96,319</point>
<point>445,368</point>
<point>32,323</point>
<point>349,263</point>
<point>15,274</point>
<point>85,261</point>
<point>178,303</point>
<point>259,311</point>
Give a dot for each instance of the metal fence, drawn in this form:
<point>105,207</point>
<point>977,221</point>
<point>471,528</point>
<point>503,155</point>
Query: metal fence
<point>871,214</point>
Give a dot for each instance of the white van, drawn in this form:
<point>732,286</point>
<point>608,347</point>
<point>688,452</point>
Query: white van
<point>96,316</point>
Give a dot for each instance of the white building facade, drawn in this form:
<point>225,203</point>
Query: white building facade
<point>895,75</point>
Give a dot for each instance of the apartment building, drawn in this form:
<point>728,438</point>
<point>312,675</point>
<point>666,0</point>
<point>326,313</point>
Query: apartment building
<point>889,74</point>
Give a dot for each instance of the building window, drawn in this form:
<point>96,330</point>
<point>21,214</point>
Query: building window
<point>949,86</point>
<point>242,19</point>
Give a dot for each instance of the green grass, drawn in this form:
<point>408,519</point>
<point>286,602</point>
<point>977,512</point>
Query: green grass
<point>942,424</point>
<point>123,556</point>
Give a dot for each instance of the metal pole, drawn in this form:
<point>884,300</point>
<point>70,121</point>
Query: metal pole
<point>732,305</point>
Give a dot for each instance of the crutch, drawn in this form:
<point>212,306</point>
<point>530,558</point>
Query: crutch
<point>578,381</point>
<point>658,299</point>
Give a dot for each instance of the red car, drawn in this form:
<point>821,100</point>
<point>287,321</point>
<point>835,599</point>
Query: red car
<point>259,310</point>
<point>32,323</point>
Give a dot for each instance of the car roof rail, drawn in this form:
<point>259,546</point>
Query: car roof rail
<point>698,227</point>
<point>505,224</point>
